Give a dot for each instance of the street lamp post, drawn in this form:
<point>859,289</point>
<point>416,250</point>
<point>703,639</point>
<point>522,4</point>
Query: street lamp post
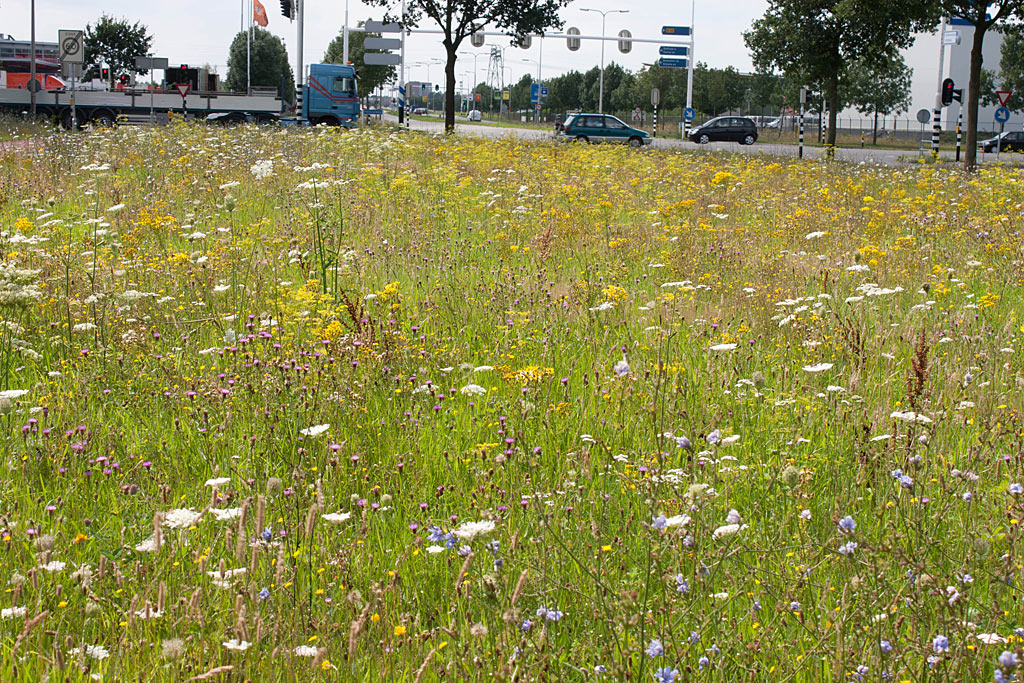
<point>475,55</point>
<point>32,65</point>
<point>604,15</point>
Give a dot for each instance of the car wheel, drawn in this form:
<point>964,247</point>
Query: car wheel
<point>636,142</point>
<point>582,138</point>
<point>749,140</point>
<point>703,139</point>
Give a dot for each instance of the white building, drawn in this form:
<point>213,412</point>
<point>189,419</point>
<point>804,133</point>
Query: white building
<point>923,56</point>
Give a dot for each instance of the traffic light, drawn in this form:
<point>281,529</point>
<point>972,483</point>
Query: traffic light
<point>105,74</point>
<point>287,9</point>
<point>437,88</point>
<point>947,92</point>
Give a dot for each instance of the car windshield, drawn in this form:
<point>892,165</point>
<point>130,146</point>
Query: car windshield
<point>570,120</point>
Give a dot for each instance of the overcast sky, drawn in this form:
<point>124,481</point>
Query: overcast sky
<point>200,31</point>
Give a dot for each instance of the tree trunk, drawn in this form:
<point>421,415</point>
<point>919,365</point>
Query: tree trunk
<point>973,86</point>
<point>874,131</point>
<point>833,113</point>
<point>449,88</point>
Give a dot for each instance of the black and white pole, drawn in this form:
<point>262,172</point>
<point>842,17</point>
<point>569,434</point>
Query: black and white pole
<point>300,13</point>
<point>937,111</point>
<point>959,123</point>
<point>654,132</point>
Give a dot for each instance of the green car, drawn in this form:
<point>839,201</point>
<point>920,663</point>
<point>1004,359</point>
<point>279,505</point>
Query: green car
<point>601,128</point>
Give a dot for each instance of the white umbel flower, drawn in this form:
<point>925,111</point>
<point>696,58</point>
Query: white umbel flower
<point>315,430</point>
<point>470,530</point>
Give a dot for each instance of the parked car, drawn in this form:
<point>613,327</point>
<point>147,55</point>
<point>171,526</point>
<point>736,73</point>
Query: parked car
<point>419,111</point>
<point>726,129</point>
<point>601,128</point>
<point>1012,141</point>
<point>474,115</point>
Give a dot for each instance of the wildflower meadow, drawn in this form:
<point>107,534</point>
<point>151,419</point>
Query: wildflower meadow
<point>317,405</point>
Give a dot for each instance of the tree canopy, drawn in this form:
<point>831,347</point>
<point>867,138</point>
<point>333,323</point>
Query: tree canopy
<point>821,39</point>
<point>371,76</point>
<point>457,19</point>
<point>116,43</point>
<point>269,67</point>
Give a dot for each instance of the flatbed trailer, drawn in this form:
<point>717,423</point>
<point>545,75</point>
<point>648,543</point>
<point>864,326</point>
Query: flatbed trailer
<point>330,97</point>
<point>104,106</point>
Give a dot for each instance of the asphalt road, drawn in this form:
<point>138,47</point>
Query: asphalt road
<point>883,157</point>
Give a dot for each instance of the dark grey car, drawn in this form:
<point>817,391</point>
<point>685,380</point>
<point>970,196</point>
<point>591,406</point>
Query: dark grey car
<point>726,129</point>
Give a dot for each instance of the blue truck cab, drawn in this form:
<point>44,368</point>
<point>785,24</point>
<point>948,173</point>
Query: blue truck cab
<point>331,96</point>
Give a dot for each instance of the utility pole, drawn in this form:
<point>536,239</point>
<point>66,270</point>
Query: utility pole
<point>604,15</point>
<point>32,65</point>
<point>937,112</point>
<point>345,39</point>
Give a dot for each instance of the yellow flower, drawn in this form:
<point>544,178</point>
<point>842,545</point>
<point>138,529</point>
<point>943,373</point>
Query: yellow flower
<point>399,630</point>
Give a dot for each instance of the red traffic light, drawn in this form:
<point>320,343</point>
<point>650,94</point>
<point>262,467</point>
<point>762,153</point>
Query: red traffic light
<point>947,92</point>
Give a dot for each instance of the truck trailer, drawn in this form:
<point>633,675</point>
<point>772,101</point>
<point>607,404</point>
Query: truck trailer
<point>329,96</point>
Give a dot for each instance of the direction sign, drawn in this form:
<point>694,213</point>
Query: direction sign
<point>675,30</point>
<point>72,46</point>
<point>1004,96</point>
<point>183,89</point>
<point>381,58</point>
<point>689,113</point>
<point>534,92</point>
<point>672,63</point>
<point>1002,115</point>
<point>382,43</point>
<point>951,37</point>
<point>382,27</point>
<point>148,63</point>
<point>676,50</point>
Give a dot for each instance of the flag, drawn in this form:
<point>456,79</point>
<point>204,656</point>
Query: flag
<point>259,13</point>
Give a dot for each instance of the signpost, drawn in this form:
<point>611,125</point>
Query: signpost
<point>388,58</point>
<point>183,89</point>
<point>151,63</point>
<point>673,50</point>
<point>72,54</point>
<point>675,30</point>
<point>1002,116</point>
<point>672,63</point>
<point>922,117</point>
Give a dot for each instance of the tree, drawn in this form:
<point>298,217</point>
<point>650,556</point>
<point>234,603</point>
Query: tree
<point>371,76</point>
<point>116,43</point>
<point>982,15</point>
<point>457,19</point>
<point>822,38</point>
<point>879,86</point>
<point>269,64</point>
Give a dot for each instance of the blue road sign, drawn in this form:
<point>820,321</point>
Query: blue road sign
<point>537,92</point>
<point>675,30</point>
<point>678,50</point>
<point>1002,115</point>
<point>672,63</point>
<point>689,113</point>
